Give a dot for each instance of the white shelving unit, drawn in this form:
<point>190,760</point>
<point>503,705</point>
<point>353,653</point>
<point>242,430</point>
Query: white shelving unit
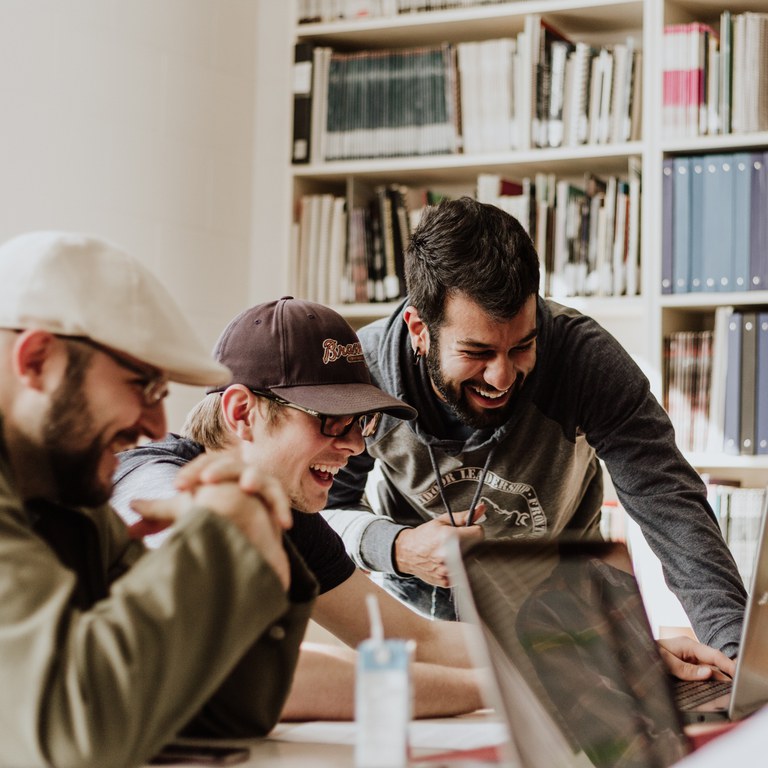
<point>640,322</point>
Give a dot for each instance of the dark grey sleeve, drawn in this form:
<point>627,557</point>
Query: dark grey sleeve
<point>659,489</point>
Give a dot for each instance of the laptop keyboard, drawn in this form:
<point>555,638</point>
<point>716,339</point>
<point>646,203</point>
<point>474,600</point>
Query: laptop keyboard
<point>691,693</point>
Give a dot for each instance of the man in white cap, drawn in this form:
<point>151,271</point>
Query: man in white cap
<point>107,651</point>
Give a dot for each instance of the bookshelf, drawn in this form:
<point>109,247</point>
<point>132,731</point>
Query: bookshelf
<point>695,309</point>
<point>640,322</point>
<point>599,23</point>
<point>596,22</point>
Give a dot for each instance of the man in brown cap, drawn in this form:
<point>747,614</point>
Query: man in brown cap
<point>300,403</point>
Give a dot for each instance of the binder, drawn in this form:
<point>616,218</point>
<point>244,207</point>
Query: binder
<point>681,226</point>
<point>758,232</point>
<point>742,208</point>
<point>748,382</point>
<point>696,276</point>
<point>716,221</point>
<point>667,225</point>
<point>761,405</point>
<point>732,414</point>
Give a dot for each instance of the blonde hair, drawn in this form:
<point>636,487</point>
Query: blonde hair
<point>205,423</point>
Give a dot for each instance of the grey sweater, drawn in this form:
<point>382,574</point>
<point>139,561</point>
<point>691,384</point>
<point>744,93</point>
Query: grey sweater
<point>585,400</point>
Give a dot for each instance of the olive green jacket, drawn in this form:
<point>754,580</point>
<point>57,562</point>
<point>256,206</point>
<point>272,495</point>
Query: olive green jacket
<point>107,651</point>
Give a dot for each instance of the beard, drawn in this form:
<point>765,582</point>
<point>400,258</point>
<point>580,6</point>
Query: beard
<point>75,473</point>
<point>456,399</point>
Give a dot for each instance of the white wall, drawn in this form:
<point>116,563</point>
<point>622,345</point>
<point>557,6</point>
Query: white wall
<point>134,120</point>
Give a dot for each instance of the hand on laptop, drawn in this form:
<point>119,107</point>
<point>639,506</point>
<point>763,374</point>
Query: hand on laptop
<point>690,660</point>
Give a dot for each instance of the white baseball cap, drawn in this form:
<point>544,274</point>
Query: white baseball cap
<point>72,284</point>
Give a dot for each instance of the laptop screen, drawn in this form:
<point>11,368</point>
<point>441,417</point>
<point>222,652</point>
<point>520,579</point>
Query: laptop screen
<point>567,618</point>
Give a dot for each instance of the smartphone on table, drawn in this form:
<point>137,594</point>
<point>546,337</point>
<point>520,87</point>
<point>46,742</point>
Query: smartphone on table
<point>179,754</point>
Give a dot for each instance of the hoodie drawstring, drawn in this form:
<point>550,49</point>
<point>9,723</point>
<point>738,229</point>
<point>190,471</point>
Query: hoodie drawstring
<point>478,490</point>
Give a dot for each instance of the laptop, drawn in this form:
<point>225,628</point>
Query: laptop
<point>703,700</point>
<point>575,664</point>
<point>576,671</point>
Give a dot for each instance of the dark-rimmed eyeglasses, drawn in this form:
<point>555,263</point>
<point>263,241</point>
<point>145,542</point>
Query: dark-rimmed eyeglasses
<point>152,386</point>
<point>331,426</point>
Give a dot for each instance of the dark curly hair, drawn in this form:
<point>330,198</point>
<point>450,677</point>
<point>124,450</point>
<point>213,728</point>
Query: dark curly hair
<point>476,249</point>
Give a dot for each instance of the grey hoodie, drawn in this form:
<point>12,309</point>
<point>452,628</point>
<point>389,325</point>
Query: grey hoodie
<point>585,400</point>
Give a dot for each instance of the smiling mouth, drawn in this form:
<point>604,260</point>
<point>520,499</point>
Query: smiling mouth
<point>324,472</point>
<point>489,397</point>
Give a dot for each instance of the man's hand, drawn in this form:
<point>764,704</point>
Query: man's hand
<point>691,660</point>
<point>261,523</point>
<point>419,551</point>
<point>233,466</point>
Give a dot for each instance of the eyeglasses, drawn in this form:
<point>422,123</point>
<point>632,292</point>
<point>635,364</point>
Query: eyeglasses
<point>153,386</point>
<point>332,426</point>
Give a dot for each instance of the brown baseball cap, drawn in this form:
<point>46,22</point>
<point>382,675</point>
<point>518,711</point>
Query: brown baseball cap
<point>305,353</point>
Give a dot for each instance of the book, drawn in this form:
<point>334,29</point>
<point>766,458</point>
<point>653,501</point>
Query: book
<point>319,285</point>
<point>390,285</point>
<point>597,67</point>
<point>605,237</point>
<point>636,107</point>
<point>606,91</point>
<point>402,234</point>
<point>576,109</point>
<point>467,56</point>
<point>337,250</point>
<point>717,387</point>
<point>558,56</point>
<point>542,37</point>
<point>618,129</point>
<point>620,239</point>
<point>725,64</point>
<point>321,59</point>
<point>633,228</point>
<point>713,86</point>
<point>302,101</point>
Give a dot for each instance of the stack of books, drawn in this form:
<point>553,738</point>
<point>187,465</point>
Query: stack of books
<point>716,384</point>
<point>716,83</point>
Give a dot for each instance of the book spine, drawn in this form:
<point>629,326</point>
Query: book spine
<point>302,102</point>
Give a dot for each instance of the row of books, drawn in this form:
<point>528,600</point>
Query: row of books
<point>715,223</point>
<point>738,512</point>
<point>587,234</point>
<point>687,388</point>
<point>320,11</point>
<point>716,83</point>
<point>354,254</point>
<point>581,94</point>
<point>716,384</point>
<point>537,89</point>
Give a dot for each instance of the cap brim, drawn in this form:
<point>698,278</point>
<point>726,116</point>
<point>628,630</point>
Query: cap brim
<point>202,374</point>
<point>345,399</point>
